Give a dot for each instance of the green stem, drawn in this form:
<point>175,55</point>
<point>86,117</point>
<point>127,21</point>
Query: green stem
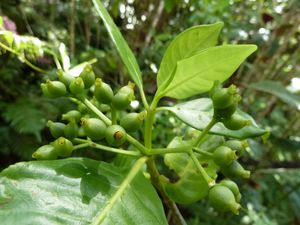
<point>25,60</point>
<point>205,131</point>
<point>158,151</point>
<point>83,145</point>
<point>115,150</point>
<point>113,112</point>
<point>97,111</point>
<point>207,178</point>
<point>202,152</point>
<point>116,196</point>
<point>89,143</point>
<point>144,100</point>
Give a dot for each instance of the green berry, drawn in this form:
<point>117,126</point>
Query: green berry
<point>238,146</point>
<point>63,147</point>
<point>132,121</point>
<point>103,92</point>
<point>235,170</point>
<point>115,135</point>
<point>222,199</point>
<point>45,152</point>
<point>224,156</point>
<point>65,78</point>
<point>72,115</point>
<point>55,89</point>
<point>123,97</point>
<point>223,97</point>
<point>77,86</point>
<point>56,128</point>
<point>233,187</point>
<point>236,122</point>
<point>94,128</point>
<point>71,130</point>
<point>88,76</point>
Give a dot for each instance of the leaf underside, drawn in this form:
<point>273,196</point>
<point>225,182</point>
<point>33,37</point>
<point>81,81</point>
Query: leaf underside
<point>73,191</point>
<point>199,112</point>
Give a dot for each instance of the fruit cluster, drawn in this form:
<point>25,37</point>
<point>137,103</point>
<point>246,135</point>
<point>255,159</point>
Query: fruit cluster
<point>225,195</point>
<point>81,122</point>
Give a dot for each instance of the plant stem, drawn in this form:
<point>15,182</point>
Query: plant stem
<point>97,112</point>
<point>23,58</point>
<point>159,151</point>
<point>113,115</point>
<point>202,151</point>
<point>116,196</point>
<point>86,143</point>
<point>115,150</point>
<point>207,178</point>
<point>205,131</point>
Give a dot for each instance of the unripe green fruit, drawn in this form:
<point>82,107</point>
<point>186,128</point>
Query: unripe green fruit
<point>226,112</point>
<point>45,152</point>
<point>224,156</point>
<point>55,89</point>
<point>238,146</point>
<point>71,130</point>
<point>222,199</point>
<point>45,90</point>
<point>72,115</point>
<point>123,97</point>
<point>233,187</point>
<point>132,121</point>
<point>63,147</point>
<point>236,122</point>
<point>56,128</point>
<point>222,98</point>
<point>235,170</point>
<point>88,76</point>
<point>103,92</point>
<point>115,135</point>
<point>65,78</point>
<point>94,128</point>
<point>77,86</point>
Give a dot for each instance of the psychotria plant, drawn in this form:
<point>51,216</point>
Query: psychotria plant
<point>60,189</point>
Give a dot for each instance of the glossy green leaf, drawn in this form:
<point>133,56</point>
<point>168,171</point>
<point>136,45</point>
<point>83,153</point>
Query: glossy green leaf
<point>120,43</point>
<point>185,45</point>
<point>196,74</point>
<point>278,90</point>
<point>73,191</point>
<point>199,112</point>
<point>191,186</point>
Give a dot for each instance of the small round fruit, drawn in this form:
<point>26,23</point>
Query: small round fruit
<point>236,122</point>
<point>56,89</point>
<point>222,199</point>
<point>77,86</point>
<point>63,147</point>
<point>238,146</point>
<point>123,97</point>
<point>94,128</point>
<point>132,121</point>
<point>235,170</point>
<point>224,156</point>
<point>71,130</point>
<point>88,76</point>
<point>45,152</point>
<point>115,135</point>
<point>56,128</point>
<point>233,187</point>
<point>223,97</point>
<point>65,78</point>
<point>226,112</point>
<point>72,115</point>
<point>103,92</point>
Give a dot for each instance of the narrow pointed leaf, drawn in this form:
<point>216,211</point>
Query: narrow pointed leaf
<point>199,112</point>
<point>196,74</point>
<point>73,191</point>
<point>185,45</point>
<point>125,52</point>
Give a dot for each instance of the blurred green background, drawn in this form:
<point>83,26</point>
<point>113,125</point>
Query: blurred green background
<point>269,82</point>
